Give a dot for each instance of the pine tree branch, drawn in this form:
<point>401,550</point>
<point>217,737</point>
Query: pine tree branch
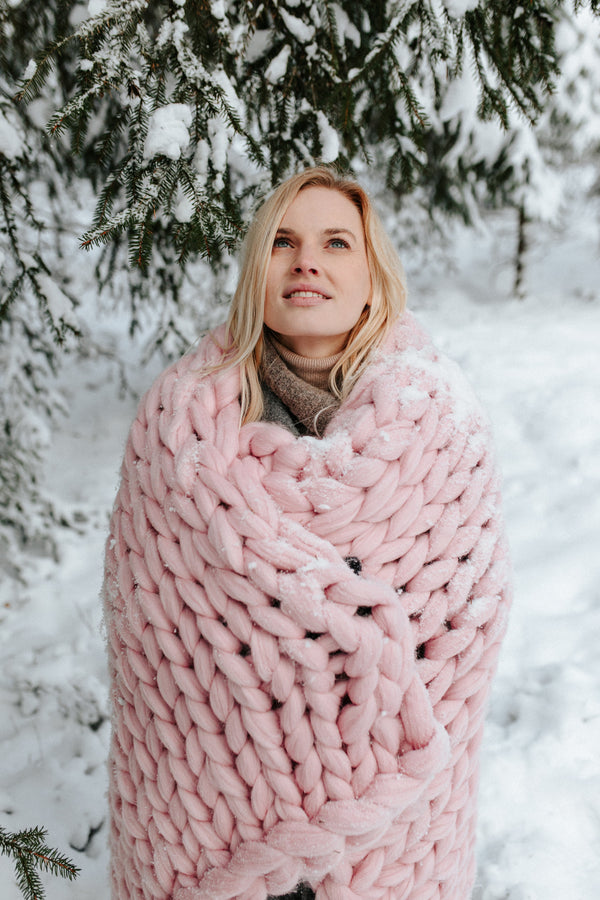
<point>30,852</point>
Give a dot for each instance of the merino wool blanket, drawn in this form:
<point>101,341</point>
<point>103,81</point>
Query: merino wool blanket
<point>302,635</point>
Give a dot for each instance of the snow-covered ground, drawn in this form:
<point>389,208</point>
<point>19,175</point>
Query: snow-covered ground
<point>536,364</point>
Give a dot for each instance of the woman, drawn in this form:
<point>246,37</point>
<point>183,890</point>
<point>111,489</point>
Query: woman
<point>306,587</point>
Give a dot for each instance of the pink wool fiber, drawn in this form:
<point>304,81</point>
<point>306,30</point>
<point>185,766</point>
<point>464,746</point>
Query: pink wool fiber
<point>278,717</point>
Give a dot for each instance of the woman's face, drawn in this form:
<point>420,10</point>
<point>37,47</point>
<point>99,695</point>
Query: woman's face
<point>318,280</point>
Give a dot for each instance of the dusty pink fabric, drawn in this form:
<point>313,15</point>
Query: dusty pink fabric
<point>277,717</point>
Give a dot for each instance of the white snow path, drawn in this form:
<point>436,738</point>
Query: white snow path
<point>536,365</point>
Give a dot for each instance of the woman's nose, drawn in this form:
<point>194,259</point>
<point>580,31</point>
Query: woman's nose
<point>305,260</point>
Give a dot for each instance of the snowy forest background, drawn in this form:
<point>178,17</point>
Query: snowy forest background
<point>135,138</point>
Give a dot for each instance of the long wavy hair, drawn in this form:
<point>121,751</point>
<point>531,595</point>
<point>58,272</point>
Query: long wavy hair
<point>246,315</point>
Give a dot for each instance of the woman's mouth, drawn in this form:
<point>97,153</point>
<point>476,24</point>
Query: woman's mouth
<point>306,298</point>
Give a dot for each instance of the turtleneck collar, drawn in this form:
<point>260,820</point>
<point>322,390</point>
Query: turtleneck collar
<point>313,371</point>
<point>310,405</point>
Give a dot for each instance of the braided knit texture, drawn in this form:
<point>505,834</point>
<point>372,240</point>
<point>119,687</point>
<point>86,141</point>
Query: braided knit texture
<point>279,715</point>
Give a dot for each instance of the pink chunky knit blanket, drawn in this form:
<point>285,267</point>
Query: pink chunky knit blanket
<point>281,716</point>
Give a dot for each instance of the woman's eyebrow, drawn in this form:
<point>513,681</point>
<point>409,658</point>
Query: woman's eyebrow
<point>289,232</point>
<point>331,231</point>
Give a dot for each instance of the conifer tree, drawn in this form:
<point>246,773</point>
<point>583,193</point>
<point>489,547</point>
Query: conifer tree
<point>195,103</point>
<point>544,164</point>
<point>179,114</point>
<point>36,312</point>
<point>569,128</point>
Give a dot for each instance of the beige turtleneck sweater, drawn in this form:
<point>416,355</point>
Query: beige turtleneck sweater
<point>295,389</point>
<point>313,371</point>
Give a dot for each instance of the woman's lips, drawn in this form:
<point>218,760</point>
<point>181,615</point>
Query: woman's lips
<point>306,297</point>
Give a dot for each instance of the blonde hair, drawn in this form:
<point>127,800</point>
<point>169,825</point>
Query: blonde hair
<point>246,315</point>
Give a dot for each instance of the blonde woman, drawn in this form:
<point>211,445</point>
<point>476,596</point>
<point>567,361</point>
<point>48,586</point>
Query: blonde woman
<point>306,587</point>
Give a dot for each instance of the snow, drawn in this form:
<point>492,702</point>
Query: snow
<point>217,8</point>
<point>219,77</point>
<point>535,365</point>
<point>345,28</point>
<point>461,95</point>
<point>458,8</point>
<point>453,385</point>
<point>300,29</point>
<point>59,305</point>
<point>168,132</point>
<point>259,43</point>
<point>96,7</point>
<point>219,134</point>
<point>330,144</point>
<point>184,208</point>
<point>30,70</point>
<point>578,88</point>
<point>541,196</point>
<point>201,158</point>
<point>460,101</point>
<point>11,144</point>
<point>278,65</point>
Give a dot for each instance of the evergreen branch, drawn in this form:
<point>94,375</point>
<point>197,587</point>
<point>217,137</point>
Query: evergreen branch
<point>414,110</point>
<point>75,111</point>
<point>30,852</point>
<point>211,229</point>
<point>522,61</point>
<point>45,62</point>
<point>107,143</point>
<point>335,45</point>
<point>124,15</point>
<point>24,262</point>
<point>102,234</point>
<point>7,208</point>
<point>382,46</point>
<point>140,245</point>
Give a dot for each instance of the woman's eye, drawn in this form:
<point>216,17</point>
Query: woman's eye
<point>339,242</point>
<point>281,242</point>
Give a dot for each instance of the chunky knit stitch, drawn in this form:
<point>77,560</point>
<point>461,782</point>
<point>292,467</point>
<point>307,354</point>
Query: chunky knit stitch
<point>302,635</point>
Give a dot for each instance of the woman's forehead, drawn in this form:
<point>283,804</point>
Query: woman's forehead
<point>322,208</point>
